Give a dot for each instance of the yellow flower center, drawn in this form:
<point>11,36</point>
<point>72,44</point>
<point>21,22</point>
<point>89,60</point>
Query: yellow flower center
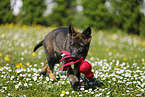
<point>63,92</point>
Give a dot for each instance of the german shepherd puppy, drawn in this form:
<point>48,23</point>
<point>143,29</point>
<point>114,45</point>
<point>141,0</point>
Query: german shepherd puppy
<point>68,39</point>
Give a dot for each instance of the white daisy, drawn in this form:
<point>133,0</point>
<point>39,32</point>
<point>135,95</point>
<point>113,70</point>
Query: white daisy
<point>25,84</point>
<point>16,86</point>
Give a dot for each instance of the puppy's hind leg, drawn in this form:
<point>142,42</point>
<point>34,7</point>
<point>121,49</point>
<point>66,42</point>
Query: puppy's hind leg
<point>50,71</point>
<point>47,69</point>
<point>44,70</point>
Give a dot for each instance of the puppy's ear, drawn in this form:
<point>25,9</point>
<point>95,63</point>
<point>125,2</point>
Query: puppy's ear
<point>87,32</point>
<point>72,31</point>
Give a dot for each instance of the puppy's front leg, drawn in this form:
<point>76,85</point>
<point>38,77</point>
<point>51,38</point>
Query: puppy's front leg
<point>73,78</point>
<point>76,70</point>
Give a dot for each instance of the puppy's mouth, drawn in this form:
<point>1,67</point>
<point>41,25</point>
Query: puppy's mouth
<point>75,56</point>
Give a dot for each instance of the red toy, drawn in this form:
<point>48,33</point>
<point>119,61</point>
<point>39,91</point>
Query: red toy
<point>84,66</point>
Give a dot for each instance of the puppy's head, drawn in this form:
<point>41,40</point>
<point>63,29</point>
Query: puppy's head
<point>79,42</point>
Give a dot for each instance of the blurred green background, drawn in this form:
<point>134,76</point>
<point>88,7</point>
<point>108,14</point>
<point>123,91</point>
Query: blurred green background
<point>117,49</point>
<point>127,15</point>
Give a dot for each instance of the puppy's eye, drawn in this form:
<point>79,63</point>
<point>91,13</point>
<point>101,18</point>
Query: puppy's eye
<point>81,44</point>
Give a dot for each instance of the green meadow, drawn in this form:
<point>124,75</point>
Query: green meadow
<point>117,59</point>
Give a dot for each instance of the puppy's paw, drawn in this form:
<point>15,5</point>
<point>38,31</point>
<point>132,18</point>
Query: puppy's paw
<point>74,82</point>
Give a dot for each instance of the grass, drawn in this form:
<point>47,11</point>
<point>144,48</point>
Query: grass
<point>117,59</point>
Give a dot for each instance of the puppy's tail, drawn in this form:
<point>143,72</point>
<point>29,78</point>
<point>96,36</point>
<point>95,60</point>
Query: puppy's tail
<point>38,45</point>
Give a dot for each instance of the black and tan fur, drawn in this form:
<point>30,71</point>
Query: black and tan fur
<point>65,38</point>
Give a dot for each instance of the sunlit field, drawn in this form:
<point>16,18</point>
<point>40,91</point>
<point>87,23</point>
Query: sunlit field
<point>117,59</point>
